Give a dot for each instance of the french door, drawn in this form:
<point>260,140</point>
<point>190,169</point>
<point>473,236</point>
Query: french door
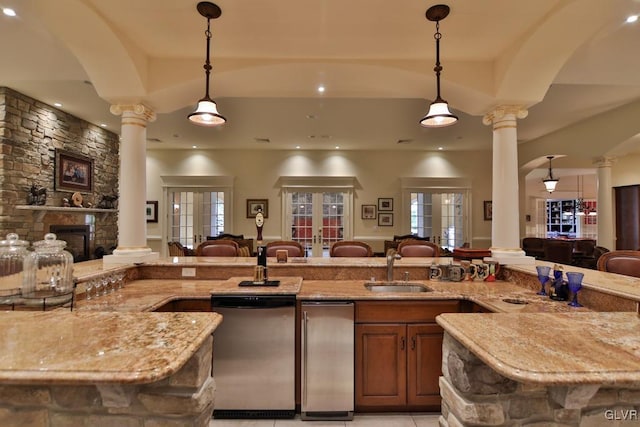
<point>440,216</point>
<point>317,219</point>
<point>194,215</point>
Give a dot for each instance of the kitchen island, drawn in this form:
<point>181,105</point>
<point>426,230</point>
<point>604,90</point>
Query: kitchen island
<point>62,368</point>
<point>171,281</point>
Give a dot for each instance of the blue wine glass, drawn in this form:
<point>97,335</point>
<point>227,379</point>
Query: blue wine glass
<point>543,277</point>
<point>575,284</point>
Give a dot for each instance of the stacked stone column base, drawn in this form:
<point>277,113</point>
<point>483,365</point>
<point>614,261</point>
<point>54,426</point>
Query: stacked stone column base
<point>473,394</point>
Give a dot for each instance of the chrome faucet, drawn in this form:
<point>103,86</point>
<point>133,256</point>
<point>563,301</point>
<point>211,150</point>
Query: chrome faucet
<point>392,255</point>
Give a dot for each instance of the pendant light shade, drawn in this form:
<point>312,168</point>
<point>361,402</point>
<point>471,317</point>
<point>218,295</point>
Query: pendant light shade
<point>439,114</point>
<point>206,113</point>
<point>550,182</point>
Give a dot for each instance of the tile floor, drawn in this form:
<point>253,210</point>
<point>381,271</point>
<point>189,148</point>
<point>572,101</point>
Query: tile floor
<point>359,420</point>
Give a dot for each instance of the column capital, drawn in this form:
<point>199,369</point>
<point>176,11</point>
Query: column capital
<point>498,113</point>
<point>138,109</point>
<point>604,161</point>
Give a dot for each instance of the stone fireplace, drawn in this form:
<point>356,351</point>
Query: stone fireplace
<point>77,237</point>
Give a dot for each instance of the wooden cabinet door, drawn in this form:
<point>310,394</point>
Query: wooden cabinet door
<point>424,364</point>
<point>381,364</point>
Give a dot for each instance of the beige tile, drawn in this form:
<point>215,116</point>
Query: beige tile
<point>426,420</point>
<point>381,420</point>
<point>241,423</point>
<point>297,422</point>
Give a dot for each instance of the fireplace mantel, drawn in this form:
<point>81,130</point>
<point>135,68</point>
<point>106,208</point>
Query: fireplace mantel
<point>40,211</point>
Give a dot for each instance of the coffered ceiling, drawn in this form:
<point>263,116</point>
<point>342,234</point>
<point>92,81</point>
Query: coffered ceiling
<point>565,60</point>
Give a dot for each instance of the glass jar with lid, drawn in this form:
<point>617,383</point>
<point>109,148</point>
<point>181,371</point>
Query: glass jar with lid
<point>16,268</point>
<point>53,267</point>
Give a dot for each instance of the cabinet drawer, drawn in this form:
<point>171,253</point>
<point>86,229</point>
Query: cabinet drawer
<point>403,311</point>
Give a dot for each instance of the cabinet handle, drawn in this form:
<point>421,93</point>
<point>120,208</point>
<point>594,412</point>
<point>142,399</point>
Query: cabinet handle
<point>413,342</point>
<point>402,343</point>
<point>305,320</point>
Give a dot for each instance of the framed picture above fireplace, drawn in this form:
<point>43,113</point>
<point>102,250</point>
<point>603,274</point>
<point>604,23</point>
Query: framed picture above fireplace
<point>74,172</point>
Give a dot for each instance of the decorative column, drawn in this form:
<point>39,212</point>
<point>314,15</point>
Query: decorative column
<point>604,205</point>
<point>132,223</point>
<point>505,225</point>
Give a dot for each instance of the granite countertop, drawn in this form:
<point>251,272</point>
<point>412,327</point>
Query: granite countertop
<point>93,347</point>
<point>490,295</point>
<point>150,294</point>
<point>553,348</point>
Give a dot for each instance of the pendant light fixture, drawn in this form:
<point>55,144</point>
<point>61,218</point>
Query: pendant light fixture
<point>439,114</point>
<point>550,182</point>
<point>206,113</point>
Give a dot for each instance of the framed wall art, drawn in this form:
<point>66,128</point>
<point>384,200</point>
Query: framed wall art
<point>368,211</point>
<point>488,210</point>
<point>152,211</point>
<point>385,219</point>
<point>256,205</point>
<point>73,172</point>
<point>385,204</point>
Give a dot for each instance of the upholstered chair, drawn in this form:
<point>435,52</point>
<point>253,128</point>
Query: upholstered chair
<point>418,248</point>
<point>222,247</point>
<point>350,248</point>
<point>294,249</point>
<point>621,262</point>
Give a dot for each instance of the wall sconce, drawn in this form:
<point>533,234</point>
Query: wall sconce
<point>439,114</point>
<point>206,113</point>
<point>550,182</point>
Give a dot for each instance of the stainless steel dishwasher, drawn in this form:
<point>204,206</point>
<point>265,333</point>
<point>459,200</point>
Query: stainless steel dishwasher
<point>254,356</point>
<point>327,360</point>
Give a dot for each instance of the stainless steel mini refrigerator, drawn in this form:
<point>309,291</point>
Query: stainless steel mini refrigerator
<point>327,360</point>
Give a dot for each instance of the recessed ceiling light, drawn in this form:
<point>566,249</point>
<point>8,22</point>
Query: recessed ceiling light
<point>337,147</point>
<point>104,125</point>
<point>194,146</point>
<point>320,89</point>
<point>8,11</point>
<point>440,148</point>
<point>297,147</point>
<point>632,18</point>
<point>57,104</point>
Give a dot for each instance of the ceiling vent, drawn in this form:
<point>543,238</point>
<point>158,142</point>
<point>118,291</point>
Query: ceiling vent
<point>262,140</point>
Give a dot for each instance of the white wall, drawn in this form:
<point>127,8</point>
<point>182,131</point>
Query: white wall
<point>377,173</point>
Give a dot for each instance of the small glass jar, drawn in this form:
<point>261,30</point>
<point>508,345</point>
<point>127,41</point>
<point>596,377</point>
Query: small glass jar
<point>53,267</point>
<point>16,267</point>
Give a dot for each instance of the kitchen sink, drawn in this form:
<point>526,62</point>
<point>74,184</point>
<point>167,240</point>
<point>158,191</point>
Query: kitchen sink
<point>515,301</point>
<point>396,287</point>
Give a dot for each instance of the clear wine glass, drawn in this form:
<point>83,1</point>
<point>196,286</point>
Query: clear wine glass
<point>98,286</point>
<point>105,284</point>
<point>574,280</point>
<point>113,279</point>
<point>90,285</point>
<point>543,277</point>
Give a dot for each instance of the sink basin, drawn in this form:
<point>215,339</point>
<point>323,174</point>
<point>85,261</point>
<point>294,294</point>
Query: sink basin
<point>396,287</point>
<point>515,301</point>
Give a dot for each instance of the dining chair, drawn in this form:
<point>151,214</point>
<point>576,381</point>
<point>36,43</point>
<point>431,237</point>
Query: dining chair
<point>622,262</point>
<point>222,247</point>
<point>418,248</point>
<point>293,248</point>
<point>177,249</point>
<point>350,248</point>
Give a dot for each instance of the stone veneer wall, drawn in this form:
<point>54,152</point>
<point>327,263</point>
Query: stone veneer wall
<point>30,131</point>
<point>473,394</point>
<point>185,399</point>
